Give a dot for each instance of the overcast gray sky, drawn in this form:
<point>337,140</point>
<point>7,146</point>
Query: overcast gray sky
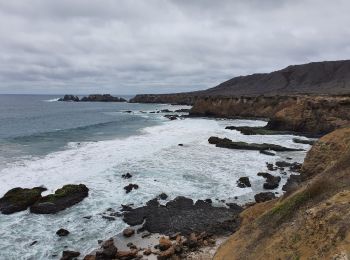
<point>159,46</point>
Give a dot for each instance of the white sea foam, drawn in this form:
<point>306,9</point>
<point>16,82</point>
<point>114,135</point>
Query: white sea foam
<point>196,169</point>
<point>51,100</point>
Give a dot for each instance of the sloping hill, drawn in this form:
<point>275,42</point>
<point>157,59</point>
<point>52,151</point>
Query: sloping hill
<point>310,223</point>
<point>328,77</point>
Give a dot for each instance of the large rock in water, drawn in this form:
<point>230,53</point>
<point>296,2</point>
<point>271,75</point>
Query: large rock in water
<point>19,199</point>
<point>69,98</point>
<point>182,215</point>
<point>102,98</point>
<point>227,143</point>
<point>63,198</point>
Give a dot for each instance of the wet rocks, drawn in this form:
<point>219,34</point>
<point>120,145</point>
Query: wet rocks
<point>107,251</point>
<point>267,152</point>
<point>303,141</point>
<point>62,232</point>
<point>164,244</point>
<point>264,196</point>
<point>243,182</point>
<point>282,164</point>
<point>69,255</point>
<point>295,167</point>
<point>128,232</point>
<point>63,198</point>
<point>271,167</point>
<point>71,98</point>
<point>102,98</point>
<point>179,214</point>
<point>163,196</point>
<point>126,176</point>
<point>246,130</point>
<point>172,117</point>
<point>130,187</point>
<point>227,143</point>
<point>19,199</point>
<point>272,182</point>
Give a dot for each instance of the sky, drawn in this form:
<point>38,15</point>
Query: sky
<point>161,46</point>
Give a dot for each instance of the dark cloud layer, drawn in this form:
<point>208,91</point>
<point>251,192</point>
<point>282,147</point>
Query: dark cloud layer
<point>142,46</point>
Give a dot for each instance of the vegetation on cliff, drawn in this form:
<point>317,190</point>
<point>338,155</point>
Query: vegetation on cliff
<point>311,222</point>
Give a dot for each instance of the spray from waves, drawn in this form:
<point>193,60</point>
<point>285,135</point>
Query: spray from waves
<point>51,100</point>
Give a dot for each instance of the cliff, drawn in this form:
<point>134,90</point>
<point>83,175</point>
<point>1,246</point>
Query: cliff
<point>327,77</point>
<point>309,223</point>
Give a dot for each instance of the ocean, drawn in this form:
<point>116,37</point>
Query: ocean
<point>44,142</point>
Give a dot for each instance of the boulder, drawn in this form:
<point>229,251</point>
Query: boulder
<point>264,196</point>
<point>128,232</point>
<point>126,255</point>
<point>167,254</point>
<point>267,152</point>
<point>63,198</point>
<point>243,182</point>
<point>19,199</point>
<point>272,182</point>
<point>164,244</point>
<point>282,164</point>
<point>130,187</point>
<point>163,196</point>
<point>107,251</point>
<point>62,232</point>
<point>171,117</point>
<point>126,176</point>
<point>69,255</point>
<point>292,183</point>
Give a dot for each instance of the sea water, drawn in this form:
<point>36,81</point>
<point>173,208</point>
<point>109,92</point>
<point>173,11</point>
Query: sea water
<point>48,143</point>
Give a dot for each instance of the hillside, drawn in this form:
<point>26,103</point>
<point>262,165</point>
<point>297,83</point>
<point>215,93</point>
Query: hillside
<point>328,77</point>
<point>310,223</point>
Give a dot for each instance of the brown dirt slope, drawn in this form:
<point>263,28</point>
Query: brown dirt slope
<point>310,223</point>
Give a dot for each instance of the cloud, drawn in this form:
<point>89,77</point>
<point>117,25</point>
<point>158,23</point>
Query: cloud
<point>155,46</point>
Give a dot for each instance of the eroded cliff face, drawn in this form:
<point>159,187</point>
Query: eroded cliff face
<point>308,114</point>
<point>310,223</point>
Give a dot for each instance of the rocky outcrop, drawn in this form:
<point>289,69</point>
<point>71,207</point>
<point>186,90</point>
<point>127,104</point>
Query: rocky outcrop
<point>102,98</point>
<point>19,199</point>
<point>227,143</point>
<point>71,98</point>
<point>63,198</point>
<point>264,196</point>
<point>243,182</point>
<point>311,220</point>
<point>179,99</point>
<point>93,98</point>
<point>182,215</point>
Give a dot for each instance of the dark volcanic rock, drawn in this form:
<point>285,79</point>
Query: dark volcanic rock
<point>181,215</point>
<point>172,117</point>
<point>63,198</point>
<point>283,164</point>
<point>243,182</point>
<point>19,199</point>
<point>270,167</point>
<point>272,182</point>
<point>246,130</point>
<point>102,98</point>
<point>69,98</point>
<point>130,187</point>
<point>227,143</point>
<point>107,251</point>
<point>126,176</point>
<point>163,196</point>
<point>267,152</point>
<point>264,196</point>
<point>128,232</point>
<point>303,141</point>
<point>62,232</point>
<point>69,255</point>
